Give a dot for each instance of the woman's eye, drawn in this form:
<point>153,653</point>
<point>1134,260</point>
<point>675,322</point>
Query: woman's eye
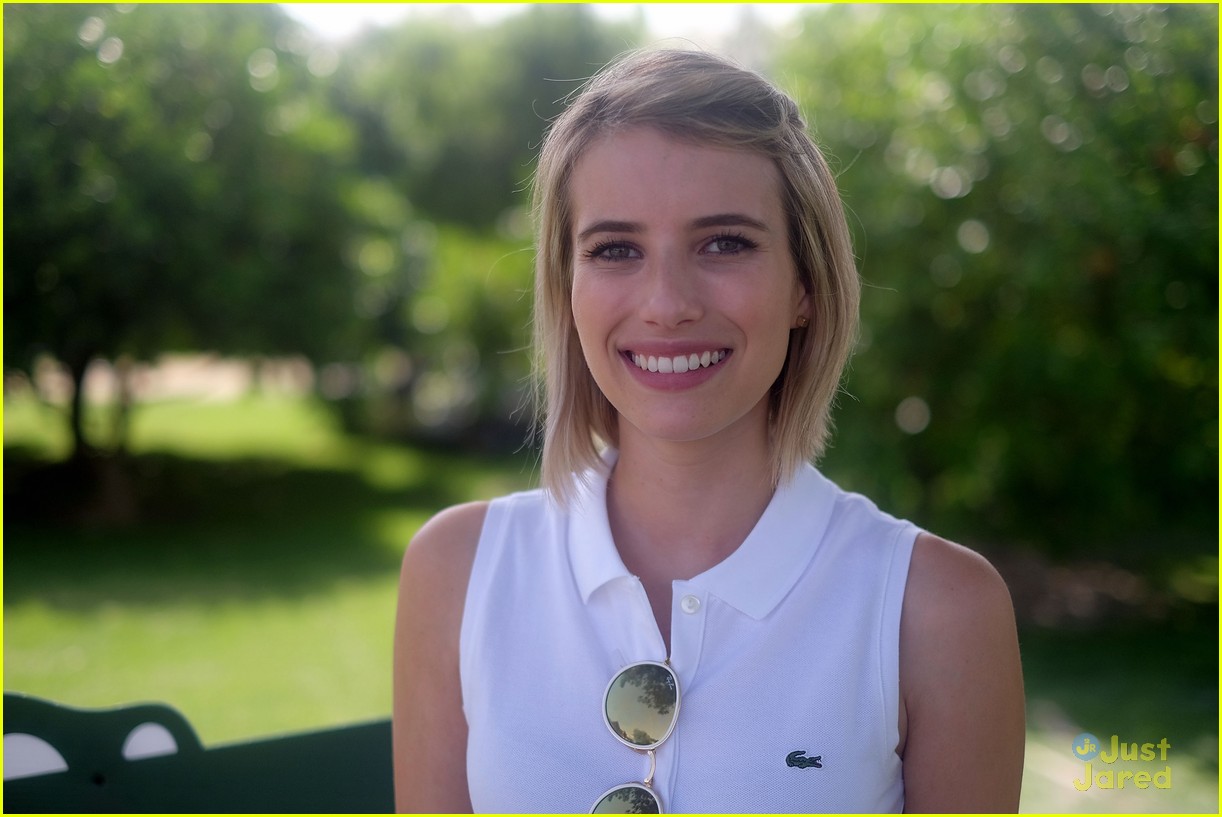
<point>611,251</point>
<point>728,245</point>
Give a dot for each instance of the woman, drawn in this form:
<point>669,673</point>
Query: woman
<point>688,616</point>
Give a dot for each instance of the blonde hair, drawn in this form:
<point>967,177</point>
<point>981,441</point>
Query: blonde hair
<point>704,99</point>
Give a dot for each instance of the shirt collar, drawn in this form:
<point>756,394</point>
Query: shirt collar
<point>592,551</point>
<point>765,567</point>
<point>753,579</point>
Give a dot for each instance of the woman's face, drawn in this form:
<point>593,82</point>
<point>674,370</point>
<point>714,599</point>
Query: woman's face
<point>684,287</point>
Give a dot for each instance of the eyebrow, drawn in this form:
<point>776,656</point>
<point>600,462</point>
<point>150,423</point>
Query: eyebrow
<point>729,220</point>
<point>718,220</point>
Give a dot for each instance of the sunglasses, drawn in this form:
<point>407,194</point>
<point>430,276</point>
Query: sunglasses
<point>640,707</point>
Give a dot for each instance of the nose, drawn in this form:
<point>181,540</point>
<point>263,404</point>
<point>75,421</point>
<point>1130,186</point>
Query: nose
<point>672,295</point>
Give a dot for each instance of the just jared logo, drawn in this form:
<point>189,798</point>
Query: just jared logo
<point>1087,747</point>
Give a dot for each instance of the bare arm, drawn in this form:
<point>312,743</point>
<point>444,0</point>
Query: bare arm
<point>429,728</point>
<point>962,721</point>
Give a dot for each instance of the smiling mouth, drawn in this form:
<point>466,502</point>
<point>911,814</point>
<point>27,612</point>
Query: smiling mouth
<point>679,363</point>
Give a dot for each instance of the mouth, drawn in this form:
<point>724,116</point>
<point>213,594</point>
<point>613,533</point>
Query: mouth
<point>678,364</point>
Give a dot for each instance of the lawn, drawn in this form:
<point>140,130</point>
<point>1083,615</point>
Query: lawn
<point>256,592</point>
<point>243,569</point>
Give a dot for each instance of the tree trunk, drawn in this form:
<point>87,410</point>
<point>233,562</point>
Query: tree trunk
<point>76,414</point>
<point>123,404</point>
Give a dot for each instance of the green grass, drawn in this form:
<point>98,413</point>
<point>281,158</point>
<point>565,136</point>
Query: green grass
<point>253,587</point>
<point>1142,683</point>
<point>255,592</point>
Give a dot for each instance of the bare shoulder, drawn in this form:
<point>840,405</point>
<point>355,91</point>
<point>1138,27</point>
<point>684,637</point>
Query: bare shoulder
<point>447,542</point>
<point>962,708</point>
<point>957,613</point>
<point>437,566</point>
<point>947,581</point>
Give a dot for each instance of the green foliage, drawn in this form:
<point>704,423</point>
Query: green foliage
<point>466,376</point>
<point>474,309</point>
<point>174,180</point>
<point>460,111</point>
<point>1034,191</point>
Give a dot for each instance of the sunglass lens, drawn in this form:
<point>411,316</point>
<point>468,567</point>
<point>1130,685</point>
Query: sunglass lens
<point>627,800</point>
<point>641,704</point>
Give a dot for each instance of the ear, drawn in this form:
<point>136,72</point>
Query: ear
<point>803,314</point>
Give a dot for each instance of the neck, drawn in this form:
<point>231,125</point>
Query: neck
<point>678,509</point>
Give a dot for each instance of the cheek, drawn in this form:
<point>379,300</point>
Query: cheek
<point>769,308</point>
<point>771,325</point>
<point>589,313</point>
<point>579,303</point>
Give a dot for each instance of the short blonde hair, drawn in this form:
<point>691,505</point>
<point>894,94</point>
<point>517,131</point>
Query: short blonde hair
<point>704,99</point>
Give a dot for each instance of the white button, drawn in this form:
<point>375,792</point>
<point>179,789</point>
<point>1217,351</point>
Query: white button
<point>690,604</point>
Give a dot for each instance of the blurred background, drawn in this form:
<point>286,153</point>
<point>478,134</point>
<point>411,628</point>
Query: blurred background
<point>267,275</point>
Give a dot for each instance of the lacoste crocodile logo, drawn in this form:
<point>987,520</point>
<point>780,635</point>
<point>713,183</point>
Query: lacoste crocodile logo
<point>798,760</point>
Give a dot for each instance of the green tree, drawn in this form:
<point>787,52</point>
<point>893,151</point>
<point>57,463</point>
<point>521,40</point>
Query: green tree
<point>1034,192</point>
<point>174,180</point>
<point>456,111</point>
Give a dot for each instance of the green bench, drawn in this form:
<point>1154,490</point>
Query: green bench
<point>147,758</point>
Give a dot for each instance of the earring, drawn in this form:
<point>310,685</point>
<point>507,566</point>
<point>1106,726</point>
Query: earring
<point>803,321</point>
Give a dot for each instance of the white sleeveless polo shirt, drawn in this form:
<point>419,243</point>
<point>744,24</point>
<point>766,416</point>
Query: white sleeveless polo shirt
<point>787,655</point>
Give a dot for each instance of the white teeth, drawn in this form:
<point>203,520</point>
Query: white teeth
<point>679,364</point>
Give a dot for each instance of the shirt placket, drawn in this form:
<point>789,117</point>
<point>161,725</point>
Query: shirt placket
<point>689,608</point>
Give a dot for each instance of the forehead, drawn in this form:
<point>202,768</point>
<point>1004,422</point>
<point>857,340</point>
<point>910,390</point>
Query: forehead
<point>642,174</point>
